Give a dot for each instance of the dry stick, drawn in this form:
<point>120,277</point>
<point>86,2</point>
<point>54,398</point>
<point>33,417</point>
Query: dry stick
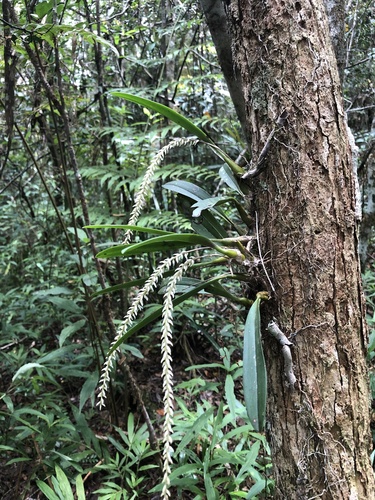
<point>90,472</point>
<point>275,331</point>
<point>259,164</point>
<point>40,458</point>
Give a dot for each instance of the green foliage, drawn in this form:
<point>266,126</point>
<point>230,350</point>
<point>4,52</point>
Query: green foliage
<point>130,464</point>
<point>369,288</point>
<point>359,87</point>
<point>167,112</point>
<point>61,126</point>
<point>217,454</point>
<point>62,489</point>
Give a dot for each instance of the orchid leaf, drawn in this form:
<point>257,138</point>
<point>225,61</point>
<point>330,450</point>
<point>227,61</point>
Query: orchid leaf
<point>230,180</point>
<point>171,241</point>
<point>254,368</point>
<point>167,112</point>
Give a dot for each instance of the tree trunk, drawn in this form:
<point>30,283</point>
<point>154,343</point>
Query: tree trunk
<point>366,172</point>
<point>217,21</point>
<point>304,198</point>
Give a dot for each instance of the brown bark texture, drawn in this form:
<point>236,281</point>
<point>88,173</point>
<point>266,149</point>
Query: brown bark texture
<point>305,203</point>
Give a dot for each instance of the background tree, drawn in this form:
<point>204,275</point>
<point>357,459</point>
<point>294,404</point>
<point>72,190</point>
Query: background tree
<point>304,197</point>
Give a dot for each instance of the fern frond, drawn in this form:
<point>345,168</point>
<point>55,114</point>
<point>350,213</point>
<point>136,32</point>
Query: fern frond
<point>176,171</point>
<point>140,199</point>
<point>167,371</point>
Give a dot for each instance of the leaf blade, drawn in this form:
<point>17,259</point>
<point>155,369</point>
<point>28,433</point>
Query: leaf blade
<point>254,369</point>
<point>165,111</point>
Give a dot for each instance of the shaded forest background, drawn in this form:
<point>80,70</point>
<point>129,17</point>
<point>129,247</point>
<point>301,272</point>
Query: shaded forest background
<point>73,155</point>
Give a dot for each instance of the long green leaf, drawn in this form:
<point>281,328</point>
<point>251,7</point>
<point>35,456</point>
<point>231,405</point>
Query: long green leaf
<point>230,180</point>
<point>80,489</point>
<point>185,285</point>
<point>192,432</point>
<point>167,112</point>
<point>187,189</point>
<point>257,488</point>
<point>251,458</point>
<point>69,330</point>
<point>64,484</point>
<point>254,369</point>
<point>184,123</point>
<point>229,394</point>
<point>25,368</point>
<point>208,226</point>
<point>88,389</point>
<point>65,304</point>
<point>157,244</point>
<point>121,286</point>
<point>47,491</point>
<point>236,169</point>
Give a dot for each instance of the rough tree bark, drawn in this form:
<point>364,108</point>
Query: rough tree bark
<point>304,198</point>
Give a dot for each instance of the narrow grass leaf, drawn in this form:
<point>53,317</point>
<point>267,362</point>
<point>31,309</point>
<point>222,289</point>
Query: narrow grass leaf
<point>69,330</point>
<point>47,491</point>
<point>194,430</point>
<point>251,458</point>
<point>80,489</point>
<point>25,368</point>
<point>64,484</point>
<point>230,396</point>
<point>157,244</point>
<point>209,487</point>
